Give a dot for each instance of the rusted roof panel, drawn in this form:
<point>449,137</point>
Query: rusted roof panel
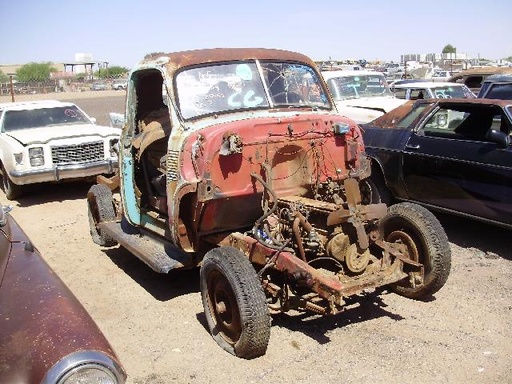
<point>181,59</point>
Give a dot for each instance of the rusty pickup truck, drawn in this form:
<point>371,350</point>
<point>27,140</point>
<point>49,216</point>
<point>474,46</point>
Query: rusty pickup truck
<point>237,162</point>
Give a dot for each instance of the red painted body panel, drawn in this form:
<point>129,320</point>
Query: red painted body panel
<point>41,321</point>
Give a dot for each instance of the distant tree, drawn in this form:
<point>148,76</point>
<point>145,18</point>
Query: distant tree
<point>35,72</point>
<point>111,72</point>
<point>449,49</point>
<point>508,58</point>
<point>3,77</point>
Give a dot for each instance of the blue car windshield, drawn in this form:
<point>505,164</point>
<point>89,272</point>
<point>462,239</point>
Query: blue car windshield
<point>248,85</point>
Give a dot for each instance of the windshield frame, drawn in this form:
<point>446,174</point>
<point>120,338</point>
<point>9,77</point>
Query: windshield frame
<point>19,119</point>
<point>245,85</point>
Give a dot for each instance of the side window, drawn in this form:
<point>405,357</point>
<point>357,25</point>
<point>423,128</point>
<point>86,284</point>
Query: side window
<point>474,82</point>
<point>400,93</point>
<point>499,91</point>
<point>417,94</point>
<point>472,124</point>
<point>443,123</point>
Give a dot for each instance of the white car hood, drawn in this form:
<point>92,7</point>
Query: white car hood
<point>44,135</point>
<point>384,103</point>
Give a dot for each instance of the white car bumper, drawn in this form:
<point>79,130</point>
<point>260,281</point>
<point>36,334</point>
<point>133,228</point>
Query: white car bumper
<point>62,172</point>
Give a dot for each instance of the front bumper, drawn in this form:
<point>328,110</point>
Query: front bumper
<point>63,172</point>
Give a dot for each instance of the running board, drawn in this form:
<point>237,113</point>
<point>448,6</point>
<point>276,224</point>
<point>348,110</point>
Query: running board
<point>159,254</point>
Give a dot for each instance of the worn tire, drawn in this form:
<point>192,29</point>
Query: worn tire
<point>426,240</point>
<point>12,191</point>
<point>100,204</point>
<point>234,303</point>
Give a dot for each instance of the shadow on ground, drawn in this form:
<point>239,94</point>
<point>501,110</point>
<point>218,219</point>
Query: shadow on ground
<point>468,233</point>
<point>358,309</point>
<point>39,194</point>
<point>162,287</point>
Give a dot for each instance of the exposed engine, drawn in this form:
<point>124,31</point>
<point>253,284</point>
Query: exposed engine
<point>333,235</point>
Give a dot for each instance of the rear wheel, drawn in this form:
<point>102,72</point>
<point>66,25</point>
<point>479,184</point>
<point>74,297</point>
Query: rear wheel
<point>234,303</point>
<point>100,208</point>
<point>11,190</point>
<point>426,241</point>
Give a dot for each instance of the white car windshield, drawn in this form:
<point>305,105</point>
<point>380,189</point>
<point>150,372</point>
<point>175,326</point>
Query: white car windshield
<point>448,92</point>
<point>356,86</point>
<point>42,117</point>
<point>248,85</point>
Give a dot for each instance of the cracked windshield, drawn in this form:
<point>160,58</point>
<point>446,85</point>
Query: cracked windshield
<point>248,85</point>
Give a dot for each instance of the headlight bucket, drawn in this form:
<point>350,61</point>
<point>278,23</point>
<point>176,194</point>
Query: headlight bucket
<point>85,367</point>
<point>36,156</point>
<point>114,147</point>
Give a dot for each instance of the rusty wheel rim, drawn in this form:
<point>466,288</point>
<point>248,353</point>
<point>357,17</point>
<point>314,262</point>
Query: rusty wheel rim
<point>223,307</point>
<point>402,237</point>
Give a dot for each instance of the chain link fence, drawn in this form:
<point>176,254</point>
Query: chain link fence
<point>60,89</point>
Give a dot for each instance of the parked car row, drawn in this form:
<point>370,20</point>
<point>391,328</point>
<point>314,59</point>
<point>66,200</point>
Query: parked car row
<point>118,85</point>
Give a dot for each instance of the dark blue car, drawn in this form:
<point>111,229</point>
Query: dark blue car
<point>451,155</point>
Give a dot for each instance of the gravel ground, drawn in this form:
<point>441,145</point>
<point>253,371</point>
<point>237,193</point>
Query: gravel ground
<point>156,322</point>
<point>157,326</point>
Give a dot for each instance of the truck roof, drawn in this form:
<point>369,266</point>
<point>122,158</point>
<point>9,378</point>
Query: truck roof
<point>177,60</point>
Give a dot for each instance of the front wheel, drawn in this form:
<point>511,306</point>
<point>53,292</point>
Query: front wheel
<point>426,241</point>
<point>234,303</point>
<point>12,191</point>
<point>100,204</point>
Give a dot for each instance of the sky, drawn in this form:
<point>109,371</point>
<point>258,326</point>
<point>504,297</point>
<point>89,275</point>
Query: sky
<point>122,32</point>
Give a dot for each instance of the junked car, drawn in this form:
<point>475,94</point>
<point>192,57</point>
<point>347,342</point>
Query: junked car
<point>245,169</point>
<point>46,335</point>
<point>99,86</point>
<point>431,90</point>
<point>497,87</point>
<point>441,75</point>
<point>360,95</point>
<point>450,155</point>
<point>50,141</point>
<point>119,84</point>
<point>474,77</point>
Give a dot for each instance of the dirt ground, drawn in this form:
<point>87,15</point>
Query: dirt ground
<point>156,323</point>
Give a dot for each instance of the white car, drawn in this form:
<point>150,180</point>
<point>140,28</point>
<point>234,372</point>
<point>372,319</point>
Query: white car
<point>441,76</point>
<point>119,84</point>
<point>48,141</point>
<point>361,95</point>
<point>431,90</point>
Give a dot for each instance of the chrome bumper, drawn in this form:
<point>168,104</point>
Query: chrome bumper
<point>57,173</point>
